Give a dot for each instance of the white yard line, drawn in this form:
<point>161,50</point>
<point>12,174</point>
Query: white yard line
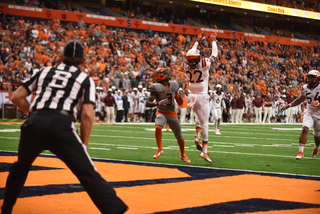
<point>192,150</point>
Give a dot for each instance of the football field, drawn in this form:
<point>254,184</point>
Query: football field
<point>254,170</point>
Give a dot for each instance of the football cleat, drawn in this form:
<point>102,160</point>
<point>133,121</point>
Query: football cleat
<point>185,158</point>
<point>158,154</point>
<point>205,156</point>
<point>299,155</point>
<point>315,153</point>
<point>217,132</point>
<point>198,143</point>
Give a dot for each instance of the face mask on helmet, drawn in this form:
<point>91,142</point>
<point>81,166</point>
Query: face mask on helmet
<point>193,58</point>
<point>161,74</point>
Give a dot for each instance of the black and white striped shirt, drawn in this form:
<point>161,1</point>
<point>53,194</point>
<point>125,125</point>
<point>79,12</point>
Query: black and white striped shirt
<point>62,87</point>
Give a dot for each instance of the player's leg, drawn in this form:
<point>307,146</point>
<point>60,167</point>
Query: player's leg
<point>197,136</point>
<point>142,110</point>
<point>136,112</point>
<point>307,124</point>
<point>215,117</point>
<point>202,110</point>
<point>29,148</point>
<point>160,121</point>
<point>176,129</point>
<point>217,130</point>
<point>316,135</point>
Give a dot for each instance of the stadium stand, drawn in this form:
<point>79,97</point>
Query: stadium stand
<point>114,53</point>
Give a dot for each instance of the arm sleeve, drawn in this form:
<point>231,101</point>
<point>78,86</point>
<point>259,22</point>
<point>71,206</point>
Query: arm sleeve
<point>214,51</point>
<point>89,95</point>
<point>195,46</point>
<point>31,83</point>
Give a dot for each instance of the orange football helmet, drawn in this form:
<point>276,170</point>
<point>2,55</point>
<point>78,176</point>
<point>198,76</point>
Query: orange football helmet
<point>161,74</point>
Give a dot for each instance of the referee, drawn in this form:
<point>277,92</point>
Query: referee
<point>59,91</point>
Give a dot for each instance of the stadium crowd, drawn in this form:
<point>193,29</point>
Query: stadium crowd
<point>125,60</point>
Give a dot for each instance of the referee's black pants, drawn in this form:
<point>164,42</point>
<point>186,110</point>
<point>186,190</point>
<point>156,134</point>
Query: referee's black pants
<point>57,133</point>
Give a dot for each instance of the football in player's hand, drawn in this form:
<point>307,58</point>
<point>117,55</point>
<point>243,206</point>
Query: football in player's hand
<point>315,104</point>
<point>163,102</point>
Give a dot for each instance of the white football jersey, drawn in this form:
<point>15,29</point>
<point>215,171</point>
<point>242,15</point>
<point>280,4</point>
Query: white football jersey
<point>311,95</point>
<point>198,77</point>
<point>141,96</point>
<point>274,104</point>
<point>216,99</point>
<point>248,102</point>
<point>130,97</point>
<point>280,103</point>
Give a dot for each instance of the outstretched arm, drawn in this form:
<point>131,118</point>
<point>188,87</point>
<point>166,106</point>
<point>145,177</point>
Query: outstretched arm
<point>214,51</point>
<point>195,46</point>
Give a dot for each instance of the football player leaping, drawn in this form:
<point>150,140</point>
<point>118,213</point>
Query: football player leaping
<point>164,92</point>
<point>197,69</point>
<point>311,93</point>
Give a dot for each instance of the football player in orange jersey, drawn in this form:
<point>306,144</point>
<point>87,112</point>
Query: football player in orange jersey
<point>164,92</point>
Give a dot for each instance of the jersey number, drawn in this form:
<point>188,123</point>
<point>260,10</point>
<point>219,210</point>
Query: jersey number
<point>60,79</point>
<point>169,97</point>
<point>218,100</point>
<point>310,98</point>
<point>199,77</point>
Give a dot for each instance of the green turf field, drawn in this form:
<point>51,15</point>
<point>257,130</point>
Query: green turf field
<point>267,148</point>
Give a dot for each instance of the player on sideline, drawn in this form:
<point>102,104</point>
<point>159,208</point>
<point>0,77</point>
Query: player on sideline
<point>310,92</point>
<point>197,69</point>
<point>59,90</point>
<point>217,97</point>
<point>164,92</point>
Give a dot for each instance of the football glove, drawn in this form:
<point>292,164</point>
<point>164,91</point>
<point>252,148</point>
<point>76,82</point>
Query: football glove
<point>315,104</point>
<point>285,107</point>
<point>225,110</point>
<point>163,102</point>
<point>213,36</point>
<point>201,37</point>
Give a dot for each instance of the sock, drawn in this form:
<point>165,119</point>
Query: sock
<point>158,135</point>
<point>181,146</point>
<point>205,147</point>
<point>198,132</point>
<point>301,147</point>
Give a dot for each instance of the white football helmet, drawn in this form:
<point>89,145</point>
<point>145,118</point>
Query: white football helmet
<point>218,87</point>
<point>193,57</point>
<point>313,82</point>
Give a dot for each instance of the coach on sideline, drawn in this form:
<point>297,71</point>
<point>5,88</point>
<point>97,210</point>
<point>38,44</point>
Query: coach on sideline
<point>50,126</point>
